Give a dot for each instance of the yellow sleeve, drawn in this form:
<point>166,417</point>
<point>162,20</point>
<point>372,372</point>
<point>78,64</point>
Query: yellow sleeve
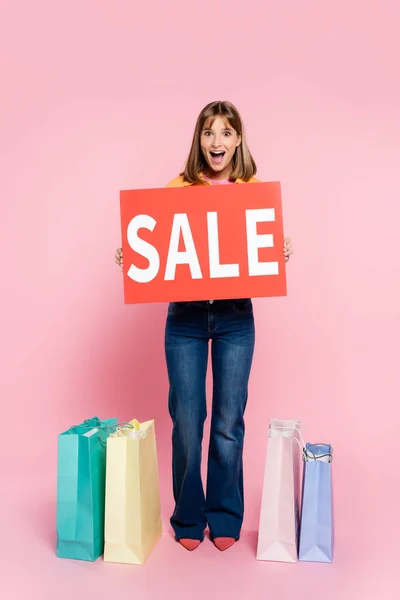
<point>177,182</point>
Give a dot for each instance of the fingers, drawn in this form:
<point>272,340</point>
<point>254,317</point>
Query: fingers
<point>119,257</point>
<point>287,249</point>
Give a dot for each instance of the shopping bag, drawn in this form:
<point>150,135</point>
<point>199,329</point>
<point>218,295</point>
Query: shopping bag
<point>81,489</point>
<point>133,512</point>
<point>316,524</point>
<point>279,517</point>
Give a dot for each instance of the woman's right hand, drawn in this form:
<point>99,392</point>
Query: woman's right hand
<point>119,258</point>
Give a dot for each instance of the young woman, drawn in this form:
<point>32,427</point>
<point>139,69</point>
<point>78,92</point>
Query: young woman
<point>219,155</point>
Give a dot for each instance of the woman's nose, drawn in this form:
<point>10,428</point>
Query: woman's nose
<point>216,142</point>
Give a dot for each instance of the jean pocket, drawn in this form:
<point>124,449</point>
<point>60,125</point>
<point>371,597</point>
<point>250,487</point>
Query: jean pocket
<point>177,308</point>
<point>243,306</point>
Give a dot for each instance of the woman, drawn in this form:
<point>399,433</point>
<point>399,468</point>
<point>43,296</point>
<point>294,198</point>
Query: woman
<point>218,156</point>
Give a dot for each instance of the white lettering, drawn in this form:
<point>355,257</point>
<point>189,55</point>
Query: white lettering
<point>256,241</point>
<point>144,248</point>
<point>216,269</point>
<point>189,256</point>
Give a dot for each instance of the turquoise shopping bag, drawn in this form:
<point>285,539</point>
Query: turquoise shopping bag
<point>81,489</point>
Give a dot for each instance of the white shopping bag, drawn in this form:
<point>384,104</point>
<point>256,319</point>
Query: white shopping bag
<point>279,518</point>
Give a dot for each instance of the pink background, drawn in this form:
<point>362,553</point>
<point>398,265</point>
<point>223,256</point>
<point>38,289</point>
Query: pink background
<point>99,96</point>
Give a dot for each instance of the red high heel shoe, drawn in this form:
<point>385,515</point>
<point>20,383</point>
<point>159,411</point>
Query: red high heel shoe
<point>189,544</point>
<point>223,543</point>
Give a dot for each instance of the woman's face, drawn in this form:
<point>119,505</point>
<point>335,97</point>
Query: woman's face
<point>218,145</point>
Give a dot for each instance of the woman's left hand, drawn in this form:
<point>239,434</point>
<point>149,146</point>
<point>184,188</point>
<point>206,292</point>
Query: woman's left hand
<point>287,248</point>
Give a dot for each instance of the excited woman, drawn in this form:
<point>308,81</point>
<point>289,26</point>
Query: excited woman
<point>219,155</point>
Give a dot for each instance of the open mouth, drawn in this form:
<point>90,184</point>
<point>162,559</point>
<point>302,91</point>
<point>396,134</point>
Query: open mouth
<point>217,157</point>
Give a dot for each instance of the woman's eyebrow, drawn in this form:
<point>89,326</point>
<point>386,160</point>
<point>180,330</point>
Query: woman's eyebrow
<point>225,129</point>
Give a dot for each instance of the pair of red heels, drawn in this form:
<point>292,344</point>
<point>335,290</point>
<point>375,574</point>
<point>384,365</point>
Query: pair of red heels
<point>222,543</point>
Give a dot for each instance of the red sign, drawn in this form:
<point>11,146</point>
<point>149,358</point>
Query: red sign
<point>203,243</point>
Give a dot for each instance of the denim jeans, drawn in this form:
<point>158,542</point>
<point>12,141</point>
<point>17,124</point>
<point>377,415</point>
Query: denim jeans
<point>229,324</point>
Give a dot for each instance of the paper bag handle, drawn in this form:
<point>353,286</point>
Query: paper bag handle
<point>307,452</point>
<point>88,424</point>
<point>300,441</point>
<point>137,435</point>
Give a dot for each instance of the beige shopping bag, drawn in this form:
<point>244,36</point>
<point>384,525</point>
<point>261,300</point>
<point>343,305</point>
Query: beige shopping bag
<point>279,517</point>
<point>132,509</point>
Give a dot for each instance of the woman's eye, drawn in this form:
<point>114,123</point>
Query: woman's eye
<point>227,133</point>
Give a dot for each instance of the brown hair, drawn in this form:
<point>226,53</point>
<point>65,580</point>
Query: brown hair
<point>244,166</point>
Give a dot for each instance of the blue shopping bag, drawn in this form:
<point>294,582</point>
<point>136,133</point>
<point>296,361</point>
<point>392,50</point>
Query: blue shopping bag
<point>316,525</point>
<point>81,489</point>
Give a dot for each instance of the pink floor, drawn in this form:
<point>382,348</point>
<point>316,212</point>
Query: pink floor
<point>365,566</point>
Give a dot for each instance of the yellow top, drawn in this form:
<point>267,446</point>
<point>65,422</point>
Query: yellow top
<point>180,182</point>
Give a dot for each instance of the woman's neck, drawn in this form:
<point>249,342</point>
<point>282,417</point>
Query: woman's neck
<point>223,176</point>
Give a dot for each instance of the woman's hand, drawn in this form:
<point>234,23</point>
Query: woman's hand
<point>287,249</point>
<point>119,258</point>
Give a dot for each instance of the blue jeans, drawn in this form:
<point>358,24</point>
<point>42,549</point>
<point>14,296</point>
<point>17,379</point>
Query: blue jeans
<point>229,324</point>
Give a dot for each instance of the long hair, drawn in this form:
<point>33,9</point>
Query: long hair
<point>244,166</point>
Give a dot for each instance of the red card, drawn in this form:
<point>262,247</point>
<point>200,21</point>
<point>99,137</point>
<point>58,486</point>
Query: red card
<point>203,243</point>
